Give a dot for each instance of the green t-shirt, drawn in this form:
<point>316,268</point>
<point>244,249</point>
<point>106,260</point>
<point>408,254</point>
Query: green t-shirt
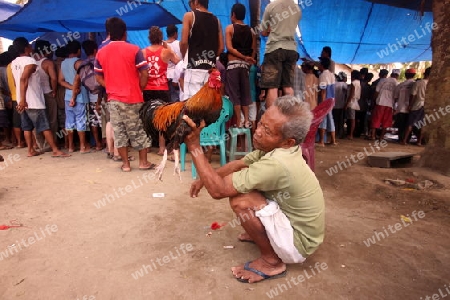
<point>283,17</point>
<point>282,175</point>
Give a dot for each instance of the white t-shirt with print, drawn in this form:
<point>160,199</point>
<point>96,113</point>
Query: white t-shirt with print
<point>34,95</point>
<point>386,89</point>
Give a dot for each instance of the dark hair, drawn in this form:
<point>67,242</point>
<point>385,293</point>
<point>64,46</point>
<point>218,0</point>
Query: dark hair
<point>41,45</point>
<point>327,50</point>
<point>364,71</point>
<point>368,77</point>
<point>20,44</point>
<point>117,28</point>
<point>409,75</point>
<point>427,72</point>
<point>171,30</point>
<point>5,59</point>
<point>89,47</point>
<point>73,47</point>
<point>108,26</point>
<point>204,3</point>
<point>12,51</point>
<point>155,35</point>
<point>355,74</point>
<point>239,11</point>
<point>325,62</point>
<point>61,52</point>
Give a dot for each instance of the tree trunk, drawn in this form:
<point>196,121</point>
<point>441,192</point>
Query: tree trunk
<point>437,151</point>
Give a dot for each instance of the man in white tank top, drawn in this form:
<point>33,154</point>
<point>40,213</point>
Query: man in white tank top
<point>49,80</point>
<point>31,98</point>
<point>174,44</point>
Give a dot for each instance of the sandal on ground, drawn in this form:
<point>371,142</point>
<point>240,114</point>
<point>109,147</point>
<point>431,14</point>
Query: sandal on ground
<point>119,159</point>
<point>264,276</point>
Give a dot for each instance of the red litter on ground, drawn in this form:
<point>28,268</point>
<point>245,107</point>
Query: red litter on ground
<point>216,225</point>
<point>13,223</point>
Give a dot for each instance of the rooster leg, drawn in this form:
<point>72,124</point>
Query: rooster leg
<point>162,165</point>
<point>176,154</point>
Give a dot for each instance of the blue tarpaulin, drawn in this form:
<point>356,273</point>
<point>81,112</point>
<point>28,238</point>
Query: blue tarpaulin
<point>40,16</point>
<point>363,32</point>
<point>358,31</point>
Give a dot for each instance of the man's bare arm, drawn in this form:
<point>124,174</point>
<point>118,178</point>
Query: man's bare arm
<point>220,37</point>
<point>27,72</point>
<point>49,68</point>
<point>143,78</point>
<point>100,79</point>
<point>62,81</point>
<point>187,23</point>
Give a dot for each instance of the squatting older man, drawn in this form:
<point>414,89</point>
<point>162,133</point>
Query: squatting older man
<point>272,190</point>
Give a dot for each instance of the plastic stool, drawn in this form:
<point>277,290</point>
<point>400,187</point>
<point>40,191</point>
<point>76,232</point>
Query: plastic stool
<point>235,132</point>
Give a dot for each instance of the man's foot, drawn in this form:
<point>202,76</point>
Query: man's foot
<point>320,144</point>
<point>33,153</point>
<point>125,168</point>
<point>85,150</point>
<point>60,154</point>
<point>244,237</point>
<point>258,270</point>
<point>119,159</point>
<point>4,147</point>
<point>147,166</point>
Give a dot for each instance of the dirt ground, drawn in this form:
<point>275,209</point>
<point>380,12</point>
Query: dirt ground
<point>73,247</point>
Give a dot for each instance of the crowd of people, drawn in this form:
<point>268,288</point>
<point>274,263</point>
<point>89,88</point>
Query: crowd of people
<point>362,108</point>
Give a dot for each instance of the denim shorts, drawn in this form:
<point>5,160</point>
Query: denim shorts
<point>34,119</point>
<point>77,117</point>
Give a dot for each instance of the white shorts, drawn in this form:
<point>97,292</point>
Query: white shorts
<point>280,233</point>
<point>194,80</point>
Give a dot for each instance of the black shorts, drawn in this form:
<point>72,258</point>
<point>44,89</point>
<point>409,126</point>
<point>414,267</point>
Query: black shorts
<point>16,121</point>
<point>416,116</point>
<point>278,69</point>
<point>238,83</point>
<point>153,95</point>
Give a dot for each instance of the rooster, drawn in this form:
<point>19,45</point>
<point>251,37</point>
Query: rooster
<point>167,118</point>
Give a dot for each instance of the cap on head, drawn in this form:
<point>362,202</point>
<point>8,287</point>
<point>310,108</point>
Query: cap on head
<point>410,71</point>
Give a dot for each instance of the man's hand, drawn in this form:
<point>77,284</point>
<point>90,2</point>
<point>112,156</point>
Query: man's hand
<point>23,105</point>
<point>196,186</point>
<point>72,102</point>
<point>193,138</point>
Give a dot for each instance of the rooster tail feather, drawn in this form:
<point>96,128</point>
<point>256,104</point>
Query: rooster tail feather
<point>165,115</point>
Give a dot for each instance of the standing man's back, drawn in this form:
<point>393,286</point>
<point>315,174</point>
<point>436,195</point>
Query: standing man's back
<point>279,23</point>
<point>121,68</point>
<point>202,40</point>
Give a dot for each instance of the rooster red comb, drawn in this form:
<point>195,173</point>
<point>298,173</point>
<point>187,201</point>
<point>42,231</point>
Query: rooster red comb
<point>215,80</point>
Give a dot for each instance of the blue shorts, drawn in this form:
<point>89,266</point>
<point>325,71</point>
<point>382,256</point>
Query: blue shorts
<point>328,123</point>
<point>77,117</point>
<point>34,119</point>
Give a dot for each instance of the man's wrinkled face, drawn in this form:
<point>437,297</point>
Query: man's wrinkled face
<point>268,135</point>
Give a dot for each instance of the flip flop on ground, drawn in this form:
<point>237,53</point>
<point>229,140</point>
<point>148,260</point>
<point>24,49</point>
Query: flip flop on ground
<point>119,159</point>
<point>4,147</point>
<point>150,167</point>
<point>62,155</point>
<point>264,276</point>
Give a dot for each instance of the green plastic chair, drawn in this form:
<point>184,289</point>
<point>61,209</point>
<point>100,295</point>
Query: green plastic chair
<point>212,135</point>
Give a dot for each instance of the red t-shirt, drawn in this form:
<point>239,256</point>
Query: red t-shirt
<point>120,63</point>
<point>157,71</point>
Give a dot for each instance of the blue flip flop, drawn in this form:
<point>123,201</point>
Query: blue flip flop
<point>264,276</point>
